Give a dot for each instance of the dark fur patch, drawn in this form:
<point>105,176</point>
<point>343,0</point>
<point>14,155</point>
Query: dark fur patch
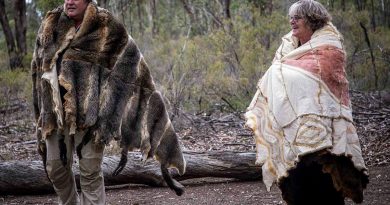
<point>63,151</point>
<point>323,179</point>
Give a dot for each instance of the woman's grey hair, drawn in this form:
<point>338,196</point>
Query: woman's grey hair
<point>313,12</point>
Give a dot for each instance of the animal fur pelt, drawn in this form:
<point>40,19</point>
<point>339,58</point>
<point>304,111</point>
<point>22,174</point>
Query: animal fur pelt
<point>96,79</point>
<point>146,126</point>
<point>73,72</point>
<point>323,179</point>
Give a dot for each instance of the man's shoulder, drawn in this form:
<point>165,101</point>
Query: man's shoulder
<point>103,11</point>
<point>55,12</point>
<point>106,18</point>
<point>106,15</point>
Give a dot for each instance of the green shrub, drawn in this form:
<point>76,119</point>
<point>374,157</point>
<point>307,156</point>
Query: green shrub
<point>15,84</point>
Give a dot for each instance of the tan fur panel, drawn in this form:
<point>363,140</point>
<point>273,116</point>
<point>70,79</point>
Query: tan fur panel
<point>90,19</point>
<point>144,77</point>
<point>49,23</point>
<point>156,122</point>
<point>131,121</point>
<point>48,123</point>
<point>65,43</point>
<point>104,34</point>
<point>70,101</point>
<point>91,104</point>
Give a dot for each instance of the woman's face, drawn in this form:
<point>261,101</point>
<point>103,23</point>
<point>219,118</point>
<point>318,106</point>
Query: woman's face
<point>300,29</point>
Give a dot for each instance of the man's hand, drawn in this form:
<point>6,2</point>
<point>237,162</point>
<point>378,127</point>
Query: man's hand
<point>41,147</point>
<point>41,144</point>
<point>103,135</point>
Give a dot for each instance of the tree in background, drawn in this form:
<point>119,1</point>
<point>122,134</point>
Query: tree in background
<point>16,41</point>
<point>46,5</point>
<point>212,52</point>
<point>103,3</point>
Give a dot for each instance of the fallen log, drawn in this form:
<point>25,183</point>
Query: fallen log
<point>28,177</point>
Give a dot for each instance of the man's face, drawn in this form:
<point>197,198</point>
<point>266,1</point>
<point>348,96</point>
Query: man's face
<point>75,8</point>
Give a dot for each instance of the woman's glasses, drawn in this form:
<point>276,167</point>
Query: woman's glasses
<point>295,18</point>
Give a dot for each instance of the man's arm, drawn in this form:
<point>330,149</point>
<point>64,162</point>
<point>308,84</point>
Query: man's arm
<point>123,58</point>
<point>35,79</point>
<point>36,92</point>
<point>116,93</point>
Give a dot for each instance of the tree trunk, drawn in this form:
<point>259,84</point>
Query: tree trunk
<point>373,22</point>
<point>103,3</point>
<point>140,20</point>
<point>226,11</point>
<point>226,8</point>
<point>153,8</point>
<point>189,9</point>
<point>14,58</point>
<point>255,7</point>
<point>360,4</point>
<point>130,18</point>
<point>270,7</point>
<point>331,4</point>
<point>20,25</point>
<point>386,12</point>
<point>343,5</point>
<point>195,28</point>
<point>28,177</point>
<point>122,10</point>
<point>371,54</point>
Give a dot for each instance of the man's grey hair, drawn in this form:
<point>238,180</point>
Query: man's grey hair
<point>313,12</point>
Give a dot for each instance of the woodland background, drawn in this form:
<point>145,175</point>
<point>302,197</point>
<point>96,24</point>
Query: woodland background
<point>205,54</point>
<point>206,57</point>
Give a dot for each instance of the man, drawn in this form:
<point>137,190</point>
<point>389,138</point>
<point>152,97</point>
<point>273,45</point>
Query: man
<point>80,92</point>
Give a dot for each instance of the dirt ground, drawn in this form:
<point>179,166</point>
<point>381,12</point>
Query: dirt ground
<point>209,132</point>
<point>213,191</point>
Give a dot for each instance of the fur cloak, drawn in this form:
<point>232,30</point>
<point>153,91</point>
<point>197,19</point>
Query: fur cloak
<point>90,78</point>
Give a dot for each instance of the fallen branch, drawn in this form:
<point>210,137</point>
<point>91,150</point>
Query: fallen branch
<point>28,177</point>
<point>240,144</point>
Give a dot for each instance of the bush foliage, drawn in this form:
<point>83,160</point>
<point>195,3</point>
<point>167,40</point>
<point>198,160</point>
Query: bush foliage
<point>213,61</point>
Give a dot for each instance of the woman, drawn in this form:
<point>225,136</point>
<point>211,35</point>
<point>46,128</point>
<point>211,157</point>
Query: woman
<point>301,115</point>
